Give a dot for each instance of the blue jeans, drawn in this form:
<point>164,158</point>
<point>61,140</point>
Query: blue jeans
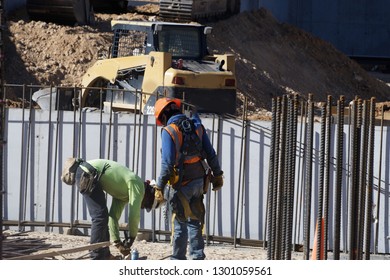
<point>189,230</point>
<point>97,208</point>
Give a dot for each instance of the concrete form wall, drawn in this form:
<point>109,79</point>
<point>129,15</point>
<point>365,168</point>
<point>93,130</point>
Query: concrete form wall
<point>38,142</point>
<point>357,28</point>
<point>11,5</point>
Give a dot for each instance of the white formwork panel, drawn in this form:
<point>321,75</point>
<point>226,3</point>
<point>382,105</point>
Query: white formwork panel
<point>14,169</point>
<point>255,184</point>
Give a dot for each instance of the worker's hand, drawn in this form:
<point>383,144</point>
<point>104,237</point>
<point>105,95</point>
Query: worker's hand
<point>158,192</point>
<point>158,195</point>
<point>217,182</point>
<point>123,248</point>
<point>129,242</point>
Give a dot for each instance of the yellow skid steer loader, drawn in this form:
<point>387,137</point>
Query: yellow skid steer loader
<point>153,59</point>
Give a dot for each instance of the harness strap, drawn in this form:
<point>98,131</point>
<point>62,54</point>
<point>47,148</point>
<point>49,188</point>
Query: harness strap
<point>93,171</point>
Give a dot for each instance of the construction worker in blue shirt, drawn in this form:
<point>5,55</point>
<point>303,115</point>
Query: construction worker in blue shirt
<point>186,159</point>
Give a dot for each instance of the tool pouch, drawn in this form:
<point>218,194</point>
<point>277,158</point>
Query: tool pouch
<point>89,179</point>
<point>87,183</point>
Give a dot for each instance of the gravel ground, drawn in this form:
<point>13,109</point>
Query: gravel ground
<point>159,250</point>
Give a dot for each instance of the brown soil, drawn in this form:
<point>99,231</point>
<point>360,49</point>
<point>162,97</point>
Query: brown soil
<point>272,58</point>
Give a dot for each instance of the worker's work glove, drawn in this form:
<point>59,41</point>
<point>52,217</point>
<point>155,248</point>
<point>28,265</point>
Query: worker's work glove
<point>158,192</point>
<point>123,247</point>
<point>129,242</point>
<point>159,196</point>
<point>217,182</point>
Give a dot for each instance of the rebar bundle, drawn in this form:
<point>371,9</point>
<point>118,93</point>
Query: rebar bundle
<point>356,190</point>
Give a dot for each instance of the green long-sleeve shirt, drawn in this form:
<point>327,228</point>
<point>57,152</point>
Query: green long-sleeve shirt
<point>125,187</point>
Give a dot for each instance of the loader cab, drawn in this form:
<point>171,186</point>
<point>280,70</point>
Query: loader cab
<point>187,42</point>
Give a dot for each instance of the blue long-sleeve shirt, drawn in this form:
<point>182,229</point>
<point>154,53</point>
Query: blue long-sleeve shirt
<point>168,152</point>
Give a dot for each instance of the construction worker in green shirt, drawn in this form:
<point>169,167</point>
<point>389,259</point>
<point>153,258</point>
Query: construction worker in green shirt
<point>96,177</point>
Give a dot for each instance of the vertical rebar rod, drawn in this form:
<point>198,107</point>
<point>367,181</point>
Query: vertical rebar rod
<point>135,134</point>
<point>327,175</point>
<point>339,178</point>
<point>110,128</point>
<point>49,164</point>
<point>321,183</point>
<point>240,174</point>
<point>2,123</point>
<point>286,174</point>
<point>348,176</point>
<point>219,147</point>
<point>208,201</point>
<point>22,166</point>
<point>301,181</point>
<point>80,128</point>
<point>74,153</point>
<point>290,208</point>
<point>370,179</point>
<point>55,153</point>
<point>139,112</point>
<point>270,191</point>
<point>353,191</point>
<point>274,243</point>
<point>308,179</point>
<point>101,152</point>
<point>244,156</point>
<point>378,201</point>
<point>280,199</point>
<point>363,175</point>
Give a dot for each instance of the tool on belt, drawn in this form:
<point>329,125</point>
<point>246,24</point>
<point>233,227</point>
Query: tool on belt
<point>90,177</point>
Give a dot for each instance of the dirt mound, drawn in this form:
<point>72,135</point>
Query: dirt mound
<point>272,58</point>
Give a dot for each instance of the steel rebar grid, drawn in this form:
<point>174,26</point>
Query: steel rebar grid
<point>339,178</point>
<point>308,178</point>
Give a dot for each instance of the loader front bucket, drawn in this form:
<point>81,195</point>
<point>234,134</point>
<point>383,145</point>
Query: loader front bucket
<point>67,12</point>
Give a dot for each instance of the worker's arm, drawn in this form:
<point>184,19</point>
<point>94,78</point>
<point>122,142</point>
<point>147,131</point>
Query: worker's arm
<point>136,194</point>
<point>212,158</point>
<point>115,213</point>
<point>168,158</point>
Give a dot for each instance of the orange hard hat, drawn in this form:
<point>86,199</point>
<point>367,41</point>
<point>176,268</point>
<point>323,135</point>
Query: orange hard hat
<point>161,104</point>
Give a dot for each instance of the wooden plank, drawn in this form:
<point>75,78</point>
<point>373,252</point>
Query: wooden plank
<point>62,252</point>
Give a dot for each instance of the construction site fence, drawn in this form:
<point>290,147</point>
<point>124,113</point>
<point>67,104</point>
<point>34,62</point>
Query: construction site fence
<point>282,178</point>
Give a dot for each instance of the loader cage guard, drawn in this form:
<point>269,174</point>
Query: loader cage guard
<point>130,40</point>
